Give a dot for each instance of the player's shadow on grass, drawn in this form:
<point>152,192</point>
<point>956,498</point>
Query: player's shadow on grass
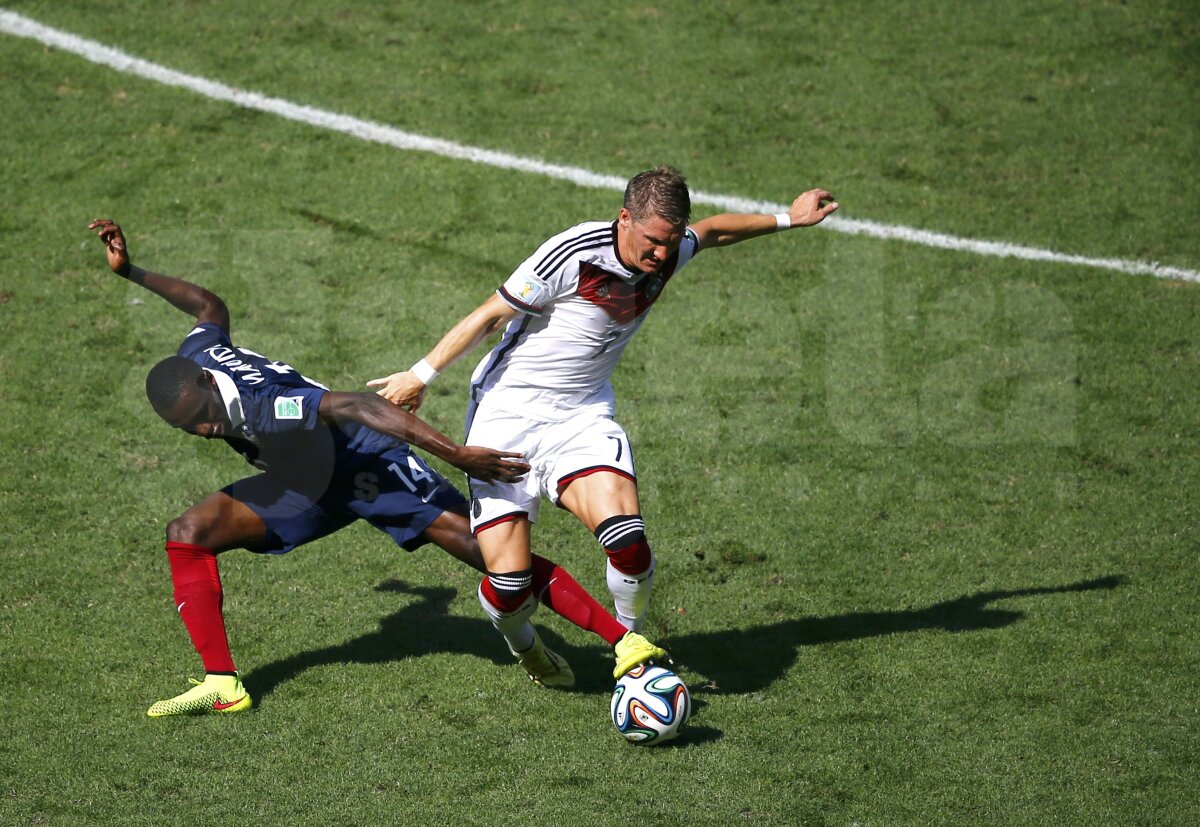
<point>748,660</point>
<point>421,628</point>
<point>733,661</point>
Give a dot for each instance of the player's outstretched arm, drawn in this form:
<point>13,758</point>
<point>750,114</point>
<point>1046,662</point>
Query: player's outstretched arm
<point>809,208</point>
<point>380,415</point>
<point>407,387</point>
<point>192,299</point>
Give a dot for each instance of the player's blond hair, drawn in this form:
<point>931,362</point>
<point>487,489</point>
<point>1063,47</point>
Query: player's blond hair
<point>660,192</point>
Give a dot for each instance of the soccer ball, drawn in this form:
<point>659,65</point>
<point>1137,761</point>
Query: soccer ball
<point>650,705</point>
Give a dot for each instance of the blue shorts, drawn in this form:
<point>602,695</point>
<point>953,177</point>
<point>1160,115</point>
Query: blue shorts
<point>395,491</point>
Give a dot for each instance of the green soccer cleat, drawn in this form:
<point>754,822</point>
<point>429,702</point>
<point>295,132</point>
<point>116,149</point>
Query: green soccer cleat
<point>215,694</point>
<point>634,649</point>
<point>545,667</point>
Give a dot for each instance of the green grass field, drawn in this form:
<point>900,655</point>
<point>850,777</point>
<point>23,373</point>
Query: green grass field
<point>926,520</point>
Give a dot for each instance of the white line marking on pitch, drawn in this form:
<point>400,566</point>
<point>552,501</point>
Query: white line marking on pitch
<point>20,26</point>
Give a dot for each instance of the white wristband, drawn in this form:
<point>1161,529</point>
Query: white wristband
<point>782,221</point>
<point>424,371</point>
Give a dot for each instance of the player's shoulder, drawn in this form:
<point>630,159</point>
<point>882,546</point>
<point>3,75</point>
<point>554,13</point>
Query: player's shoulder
<point>207,331</point>
<point>573,241</point>
<point>272,406</point>
<point>202,337</point>
<point>584,228</point>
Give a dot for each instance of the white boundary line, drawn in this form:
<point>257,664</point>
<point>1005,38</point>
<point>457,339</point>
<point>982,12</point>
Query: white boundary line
<point>20,26</point>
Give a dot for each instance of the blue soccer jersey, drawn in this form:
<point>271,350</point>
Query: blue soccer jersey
<point>274,409</point>
<point>318,477</point>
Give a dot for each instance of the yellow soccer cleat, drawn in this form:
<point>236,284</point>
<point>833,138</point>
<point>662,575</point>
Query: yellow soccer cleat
<point>634,649</point>
<point>545,667</point>
<point>215,694</point>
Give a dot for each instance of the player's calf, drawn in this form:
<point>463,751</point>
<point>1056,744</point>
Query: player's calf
<point>630,567</point>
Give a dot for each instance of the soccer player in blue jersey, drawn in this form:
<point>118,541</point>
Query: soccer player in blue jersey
<point>326,460</point>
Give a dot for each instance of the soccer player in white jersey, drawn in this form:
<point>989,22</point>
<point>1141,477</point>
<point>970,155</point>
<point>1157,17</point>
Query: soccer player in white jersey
<point>567,312</point>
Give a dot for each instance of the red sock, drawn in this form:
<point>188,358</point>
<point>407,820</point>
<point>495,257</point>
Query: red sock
<point>633,560</point>
<point>500,602</point>
<point>559,591</point>
<point>198,598</point>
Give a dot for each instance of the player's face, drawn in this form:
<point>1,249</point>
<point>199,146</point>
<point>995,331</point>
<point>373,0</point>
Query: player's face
<point>646,243</point>
<point>200,410</point>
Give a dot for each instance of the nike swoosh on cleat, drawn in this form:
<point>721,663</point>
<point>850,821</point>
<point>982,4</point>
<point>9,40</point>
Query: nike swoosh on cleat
<point>217,705</point>
<point>179,608</point>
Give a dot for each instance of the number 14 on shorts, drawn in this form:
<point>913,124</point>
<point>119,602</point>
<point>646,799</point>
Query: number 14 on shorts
<point>416,476</point>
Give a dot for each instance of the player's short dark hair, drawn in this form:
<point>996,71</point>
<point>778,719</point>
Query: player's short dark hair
<point>166,381</point>
<point>660,192</point>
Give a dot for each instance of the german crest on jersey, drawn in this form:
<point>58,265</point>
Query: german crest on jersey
<point>654,286</point>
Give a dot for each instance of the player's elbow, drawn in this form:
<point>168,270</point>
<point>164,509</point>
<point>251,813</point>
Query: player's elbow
<point>495,325</point>
<point>492,315</point>
<point>368,409</point>
<point>344,407</point>
<point>213,309</point>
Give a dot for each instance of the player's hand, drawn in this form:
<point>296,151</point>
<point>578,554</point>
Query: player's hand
<point>811,208</point>
<point>487,465</point>
<point>403,389</point>
<point>114,244</point>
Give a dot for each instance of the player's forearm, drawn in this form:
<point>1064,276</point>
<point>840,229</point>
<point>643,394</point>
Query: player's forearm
<point>730,228</point>
<point>190,298</point>
<point>464,337</point>
<point>378,414</point>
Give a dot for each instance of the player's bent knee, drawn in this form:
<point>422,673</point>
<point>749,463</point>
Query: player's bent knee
<point>189,528</point>
<point>625,543</point>
<point>621,531</point>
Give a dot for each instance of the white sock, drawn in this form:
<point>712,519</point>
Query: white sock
<point>631,594</point>
<point>515,626</point>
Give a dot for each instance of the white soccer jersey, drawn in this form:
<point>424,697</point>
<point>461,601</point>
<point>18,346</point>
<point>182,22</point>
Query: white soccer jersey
<point>580,305</point>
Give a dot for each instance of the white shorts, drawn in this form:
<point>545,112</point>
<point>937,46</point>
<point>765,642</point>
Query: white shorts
<point>557,452</point>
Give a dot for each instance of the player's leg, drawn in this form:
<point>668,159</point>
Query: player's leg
<point>606,502</point>
<point>194,539</point>
<point>553,586</point>
<point>217,523</point>
<point>507,597</point>
<point>260,513</point>
<point>595,481</point>
<point>451,532</point>
<point>557,590</point>
<point>401,495</point>
<point>501,516</point>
